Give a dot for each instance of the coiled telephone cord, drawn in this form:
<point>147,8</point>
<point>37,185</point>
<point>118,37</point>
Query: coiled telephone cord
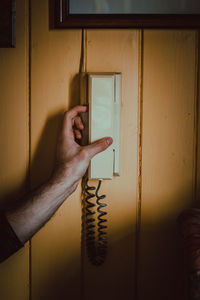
<point>96,247</point>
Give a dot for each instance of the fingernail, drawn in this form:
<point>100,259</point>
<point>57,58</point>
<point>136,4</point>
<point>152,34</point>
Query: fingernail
<point>109,141</point>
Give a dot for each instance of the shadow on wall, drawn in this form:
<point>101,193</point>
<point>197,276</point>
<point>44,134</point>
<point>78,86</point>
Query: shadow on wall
<point>43,159</point>
<point>161,249</point>
<point>41,165</point>
<point>62,281</point>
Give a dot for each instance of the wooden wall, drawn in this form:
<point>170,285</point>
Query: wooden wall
<point>14,273</point>
<point>168,158</point>
<point>158,158</point>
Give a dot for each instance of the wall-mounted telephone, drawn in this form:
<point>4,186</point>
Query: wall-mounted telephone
<point>102,93</point>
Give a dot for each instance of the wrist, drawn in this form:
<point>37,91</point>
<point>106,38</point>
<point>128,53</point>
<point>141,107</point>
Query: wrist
<point>63,181</point>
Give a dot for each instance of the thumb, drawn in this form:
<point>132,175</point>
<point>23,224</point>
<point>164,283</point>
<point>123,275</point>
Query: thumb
<point>99,146</point>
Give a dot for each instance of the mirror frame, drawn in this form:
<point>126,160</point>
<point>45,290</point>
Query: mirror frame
<point>61,18</point>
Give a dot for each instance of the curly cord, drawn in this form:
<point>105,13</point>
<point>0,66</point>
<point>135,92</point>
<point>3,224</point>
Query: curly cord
<point>96,249</point>
<point>89,220</point>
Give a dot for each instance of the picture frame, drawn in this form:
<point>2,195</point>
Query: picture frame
<point>60,18</point>
<point>7,23</point>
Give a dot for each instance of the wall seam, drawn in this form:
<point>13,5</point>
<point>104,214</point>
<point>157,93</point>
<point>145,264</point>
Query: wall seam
<point>83,69</point>
<point>196,119</point>
<point>29,136</point>
<point>139,159</point>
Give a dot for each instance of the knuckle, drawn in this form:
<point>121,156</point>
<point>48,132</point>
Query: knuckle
<point>66,115</point>
<point>78,120</point>
<point>84,154</point>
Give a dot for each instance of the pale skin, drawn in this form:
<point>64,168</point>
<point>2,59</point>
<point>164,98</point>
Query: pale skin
<point>72,161</point>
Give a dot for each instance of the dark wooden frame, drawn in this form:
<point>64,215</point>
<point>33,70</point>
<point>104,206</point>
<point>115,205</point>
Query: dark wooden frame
<point>7,24</point>
<point>60,19</point>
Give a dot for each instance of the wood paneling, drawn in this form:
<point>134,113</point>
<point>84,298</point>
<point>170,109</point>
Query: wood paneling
<point>117,51</point>
<point>198,122</point>
<point>55,62</point>
<point>13,149</point>
<point>168,159</point>
<point>56,248</point>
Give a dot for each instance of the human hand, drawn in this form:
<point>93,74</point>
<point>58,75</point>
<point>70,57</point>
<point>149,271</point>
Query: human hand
<point>72,159</point>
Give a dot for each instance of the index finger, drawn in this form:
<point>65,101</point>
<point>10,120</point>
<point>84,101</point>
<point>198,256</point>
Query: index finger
<point>67,127</point>
<point>75,111</point>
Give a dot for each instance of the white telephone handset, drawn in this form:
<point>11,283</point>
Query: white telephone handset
<point>103,94</point>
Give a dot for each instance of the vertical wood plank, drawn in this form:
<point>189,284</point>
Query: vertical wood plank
<point>168,159</point>
<point>13,148</point>
<point>198,122</point>
<point>54,88</point>
<point>117,51</point>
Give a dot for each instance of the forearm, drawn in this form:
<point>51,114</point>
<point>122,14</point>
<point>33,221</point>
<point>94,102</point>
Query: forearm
<point>72,161</point>
<point>38,207</point>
